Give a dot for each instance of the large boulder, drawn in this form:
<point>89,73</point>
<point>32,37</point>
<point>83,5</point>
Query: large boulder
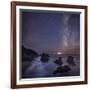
<point>44,57</point>
<point>59,61</point>
<point>70,60</point>
<point>62,69</point>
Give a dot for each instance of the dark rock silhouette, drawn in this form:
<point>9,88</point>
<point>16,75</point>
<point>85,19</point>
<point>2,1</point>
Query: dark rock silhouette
<point>70,60</point>
<point>62,69</point>
<point>44,57</point>
<point>59,61</point>
<point>28,54</point>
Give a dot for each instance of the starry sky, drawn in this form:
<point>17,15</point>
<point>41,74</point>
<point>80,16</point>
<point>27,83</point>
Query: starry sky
<point>50,31</point>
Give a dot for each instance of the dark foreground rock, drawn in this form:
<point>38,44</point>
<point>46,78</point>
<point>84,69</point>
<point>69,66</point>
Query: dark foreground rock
<point>62,69</point>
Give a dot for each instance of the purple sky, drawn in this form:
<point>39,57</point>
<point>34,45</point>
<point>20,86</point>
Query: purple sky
<point>51,32</point>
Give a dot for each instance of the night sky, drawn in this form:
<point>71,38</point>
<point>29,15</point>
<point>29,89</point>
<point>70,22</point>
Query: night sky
<point>51,32</point>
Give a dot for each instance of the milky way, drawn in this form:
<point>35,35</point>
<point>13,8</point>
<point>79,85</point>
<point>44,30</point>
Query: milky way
<point>50,31</point>
<point>66,33</point>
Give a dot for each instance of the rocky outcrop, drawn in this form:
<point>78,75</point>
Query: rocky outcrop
<point>44,57</point>
<point>71,61</point>
<point>59,61</point>
<point>62,69</point>
<point>28,54</point>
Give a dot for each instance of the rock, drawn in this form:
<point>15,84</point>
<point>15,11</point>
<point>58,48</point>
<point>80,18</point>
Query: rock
<point>44,57</point>
<point>62,69</point>
<point>71,61</point>
<point>59,61</point>
<point>28,54</point>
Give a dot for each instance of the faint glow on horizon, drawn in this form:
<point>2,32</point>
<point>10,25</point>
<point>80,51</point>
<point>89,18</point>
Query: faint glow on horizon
<point>59,53</point>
